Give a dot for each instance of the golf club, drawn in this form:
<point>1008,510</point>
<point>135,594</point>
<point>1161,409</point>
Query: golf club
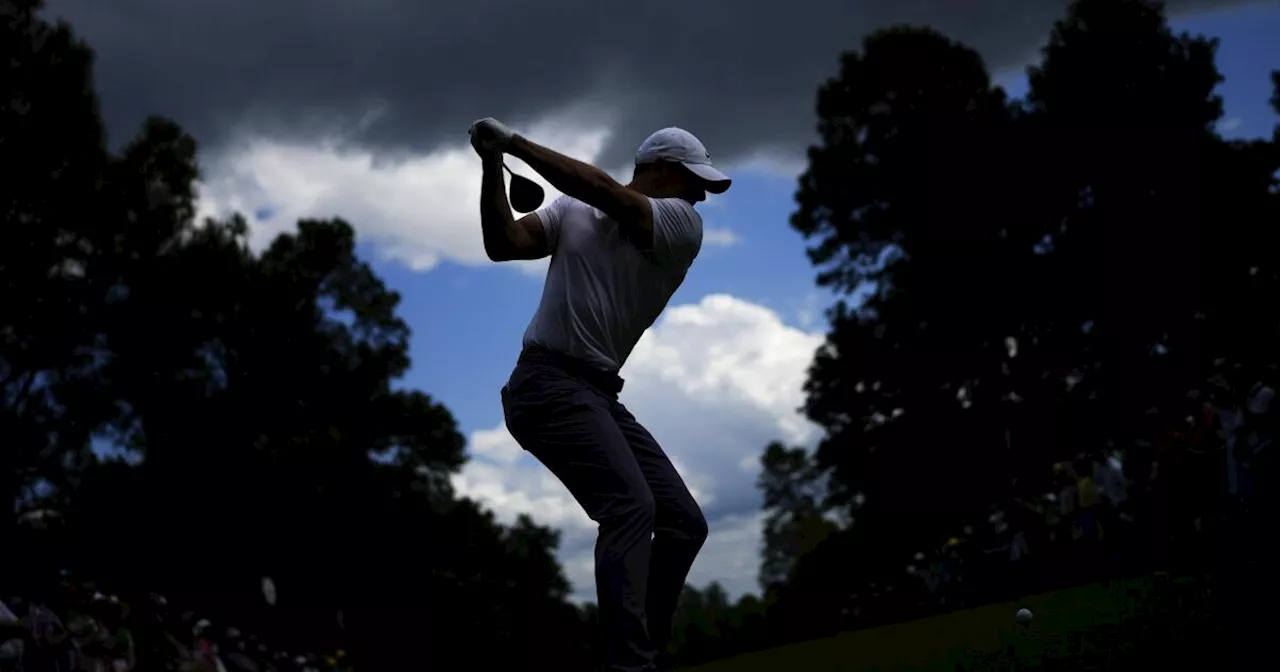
<point>526,195</point>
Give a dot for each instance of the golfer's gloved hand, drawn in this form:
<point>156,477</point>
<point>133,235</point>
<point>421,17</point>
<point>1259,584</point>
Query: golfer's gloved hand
<point>487,155</point>
<point>490,135</point>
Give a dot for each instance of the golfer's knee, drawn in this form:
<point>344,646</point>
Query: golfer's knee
<point>646,510</point>
<point>689,527</point>
<point>696,529</point>
<point>640,513</point>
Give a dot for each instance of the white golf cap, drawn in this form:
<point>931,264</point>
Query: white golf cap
<point>677,144</point>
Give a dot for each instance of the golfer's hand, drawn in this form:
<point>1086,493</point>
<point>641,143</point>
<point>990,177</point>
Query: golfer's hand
<point>490,135</point>
<point>488,156</point>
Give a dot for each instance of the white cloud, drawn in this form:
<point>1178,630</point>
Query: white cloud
<point>719,237</point>
<point>773,164</point>
<point>417,211</point>
<point>714,382</point>
<point>810,310</point>
<point>495,444</point>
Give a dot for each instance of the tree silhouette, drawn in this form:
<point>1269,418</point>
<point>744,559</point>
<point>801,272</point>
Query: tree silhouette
<point>796,521</point>
<point>1037,282</point>
<point>202,415</point>
<point>903,194</point>
<point>52,161</point>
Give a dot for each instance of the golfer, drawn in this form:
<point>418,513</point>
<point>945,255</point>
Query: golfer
<point>618,253</point>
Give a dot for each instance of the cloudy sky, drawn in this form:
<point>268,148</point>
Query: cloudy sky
<point>360,110</point>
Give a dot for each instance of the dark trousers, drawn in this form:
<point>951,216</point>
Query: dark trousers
<point>567,415</point>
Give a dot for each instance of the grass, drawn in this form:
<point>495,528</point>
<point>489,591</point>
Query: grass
<point>1145,623</point>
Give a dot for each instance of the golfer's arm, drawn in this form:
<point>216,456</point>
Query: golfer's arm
<point>505,237</point>
<point>585,182</point>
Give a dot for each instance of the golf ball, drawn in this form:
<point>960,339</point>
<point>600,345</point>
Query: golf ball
<point>1023,617</point>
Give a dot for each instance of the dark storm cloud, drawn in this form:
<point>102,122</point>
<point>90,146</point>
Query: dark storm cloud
<point>740,73</point>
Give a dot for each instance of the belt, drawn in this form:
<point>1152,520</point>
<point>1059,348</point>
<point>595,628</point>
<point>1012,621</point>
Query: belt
<point>605,381</point>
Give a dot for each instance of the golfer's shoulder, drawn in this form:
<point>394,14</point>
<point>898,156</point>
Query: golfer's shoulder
<point>676,214</point>
<point>568,206</point>
<point>558,205</point>
<point>560,210</point>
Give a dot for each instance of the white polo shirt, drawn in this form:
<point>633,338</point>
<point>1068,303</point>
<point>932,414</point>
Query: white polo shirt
<point>601,291</point>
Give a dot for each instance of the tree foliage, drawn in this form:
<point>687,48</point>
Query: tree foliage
<point>202,415</point>
<point>1025,283</point>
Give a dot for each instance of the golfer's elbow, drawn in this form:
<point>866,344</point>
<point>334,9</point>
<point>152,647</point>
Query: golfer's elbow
<point>508,240</point>
<point>498,245</point>
<point>498,227</point>
<point>498,252</point>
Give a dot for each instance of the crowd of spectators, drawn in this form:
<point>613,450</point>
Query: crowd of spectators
<point>77,627</point>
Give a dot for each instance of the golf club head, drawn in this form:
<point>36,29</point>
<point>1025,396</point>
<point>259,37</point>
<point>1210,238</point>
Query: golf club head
<point>526,195</point>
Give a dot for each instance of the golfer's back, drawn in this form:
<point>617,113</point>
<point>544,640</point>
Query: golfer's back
<point>601,291</point>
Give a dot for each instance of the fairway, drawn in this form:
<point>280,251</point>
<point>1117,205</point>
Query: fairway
<point>1090,627</point>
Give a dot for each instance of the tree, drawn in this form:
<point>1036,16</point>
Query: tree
<point>249,402</point>
<point>1172,215</point>
<point>899,196</point>
<point>53,160</point>
<point>1130,123</point>
<point>1044,280</point>
<point>796,519</point>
